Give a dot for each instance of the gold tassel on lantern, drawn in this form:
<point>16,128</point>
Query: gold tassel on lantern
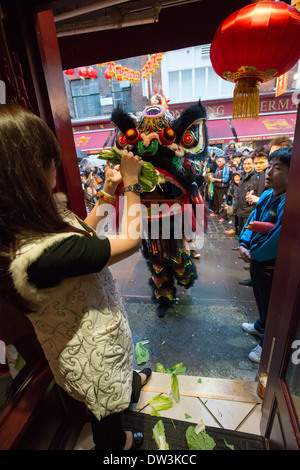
<point>246,99</point>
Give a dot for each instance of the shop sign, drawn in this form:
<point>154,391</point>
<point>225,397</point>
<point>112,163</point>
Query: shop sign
<point>221,110</point>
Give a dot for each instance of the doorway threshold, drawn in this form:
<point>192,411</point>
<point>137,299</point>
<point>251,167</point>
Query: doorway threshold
<point>229,409</point>
<point>222,403</point>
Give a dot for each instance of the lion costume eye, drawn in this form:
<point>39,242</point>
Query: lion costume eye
<point>193,139</point>
<point>121,140</point>
<point>188,140</point>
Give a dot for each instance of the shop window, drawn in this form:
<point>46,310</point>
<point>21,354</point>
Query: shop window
<point>200,82</point>
<point>86,98</point>
<point>121,93</point>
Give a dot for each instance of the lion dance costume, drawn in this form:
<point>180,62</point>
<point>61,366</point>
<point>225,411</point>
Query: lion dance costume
<point>175,148</point>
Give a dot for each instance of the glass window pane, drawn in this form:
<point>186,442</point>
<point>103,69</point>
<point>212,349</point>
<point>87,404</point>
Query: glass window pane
<point>226,88</point>
<point>212,83</point>
<point>174,91</point>
<point>186,85</point>
<point>200,82</point>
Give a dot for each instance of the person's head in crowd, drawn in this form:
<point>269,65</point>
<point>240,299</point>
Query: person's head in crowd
<point>237,177</point>
<point>236,157</point>
<point>248,165</point>
<point>278,142</point>
<point>277,171</point>
<point>221,161</point>
<point>246,153</point>
<point>260,160</point>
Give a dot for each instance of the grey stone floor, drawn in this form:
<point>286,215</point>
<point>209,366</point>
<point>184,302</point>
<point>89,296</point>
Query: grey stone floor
<point>203,327</point>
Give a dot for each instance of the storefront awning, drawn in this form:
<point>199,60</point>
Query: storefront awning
<point>93,141</point>
<point>266,127</point>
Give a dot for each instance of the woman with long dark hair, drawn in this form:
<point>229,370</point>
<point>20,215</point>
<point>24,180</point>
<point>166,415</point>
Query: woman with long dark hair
<point>54,271</point>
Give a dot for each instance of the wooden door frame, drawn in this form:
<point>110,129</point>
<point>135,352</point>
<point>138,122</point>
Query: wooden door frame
<point>283,314</point>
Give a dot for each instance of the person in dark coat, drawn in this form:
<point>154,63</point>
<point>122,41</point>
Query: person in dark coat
<point>260,160</point>
<point>246,184</point>
<point>243,208</point>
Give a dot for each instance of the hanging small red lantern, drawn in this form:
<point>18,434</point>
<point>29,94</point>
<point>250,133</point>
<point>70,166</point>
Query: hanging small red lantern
<point>119,72</point>
<point>110,70</point>
<point>159,57</point>
<point>146,71</point>
<point>131,75</point>
<point>69,72</point>
<point>153,61</point>
<point>92,73</point>
<point>125,73</point>
<point>150,67</point>
<point>136,76</point>
<point>255,44</point>
<point>82,72</point>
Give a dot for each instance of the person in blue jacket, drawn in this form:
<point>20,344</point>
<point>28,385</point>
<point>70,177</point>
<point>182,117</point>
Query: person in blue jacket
<point>221,183</point>
<point>260,249</point>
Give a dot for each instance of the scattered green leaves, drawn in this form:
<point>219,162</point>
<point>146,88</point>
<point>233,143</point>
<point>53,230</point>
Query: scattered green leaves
<point>159,403</point>
<point>175,388</point>
<point>228,445</point>
<point>201,441</point>
<point>187,416</point>
<point>142,353</point>
<point>178,369</point>
<point>159,436</point>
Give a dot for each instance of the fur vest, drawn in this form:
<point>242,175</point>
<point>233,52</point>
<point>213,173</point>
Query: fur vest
<point>82,328</point>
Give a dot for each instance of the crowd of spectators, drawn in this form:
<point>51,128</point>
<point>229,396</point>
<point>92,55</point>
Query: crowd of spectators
<point>246,188</point>
<point>235,180</point>
<point>92,181</point>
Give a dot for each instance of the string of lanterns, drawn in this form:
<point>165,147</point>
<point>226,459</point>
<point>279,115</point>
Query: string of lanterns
<point>152,64</point>
<point>118,71</point>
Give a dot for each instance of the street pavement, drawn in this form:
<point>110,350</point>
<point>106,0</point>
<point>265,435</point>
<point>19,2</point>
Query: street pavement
<point>203,327</point>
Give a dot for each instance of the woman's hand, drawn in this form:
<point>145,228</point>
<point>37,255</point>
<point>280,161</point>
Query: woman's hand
<point>112,178</point>
<point>245,254</point>
<point>130,167</point>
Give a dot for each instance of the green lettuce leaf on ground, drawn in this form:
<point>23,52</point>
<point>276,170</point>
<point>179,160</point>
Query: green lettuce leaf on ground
<point>175,388</point>
<point>148,177</point>
<point>159,436</point>
<point>177,369</point>
<point>159,403</point>
<point>142,353</point>
<point>160,368</point>
<point>201,441</point>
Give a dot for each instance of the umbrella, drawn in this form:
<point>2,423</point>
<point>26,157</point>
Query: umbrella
<point>218,152</point>
<point>80,154</point>
<point>91,160</point>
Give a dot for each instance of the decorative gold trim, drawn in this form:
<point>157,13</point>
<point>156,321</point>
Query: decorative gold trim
<point>249,71</point>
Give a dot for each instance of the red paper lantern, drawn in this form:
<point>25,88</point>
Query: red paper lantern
<point>69,72</point>
<point>82,72</point>
<point>109,73</point>
<point>136,76</point>
<point>119,72</point>
<point>131,75</point>
<point>253,45</point>
<point>154,63</point>
<point>92,73</point>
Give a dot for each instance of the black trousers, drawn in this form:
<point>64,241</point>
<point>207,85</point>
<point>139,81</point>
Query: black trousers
<point>262,277</point>
<point>108,432</point>
<point>218,199</point>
